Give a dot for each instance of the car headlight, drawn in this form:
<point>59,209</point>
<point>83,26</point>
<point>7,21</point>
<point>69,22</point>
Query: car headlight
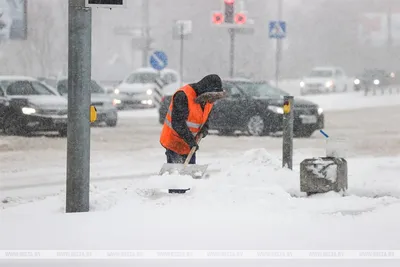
<point>356,81</point>
<point>276,109</point>
<point>376,81</point>
<point>149,91</point>
<point>116,102</point>
<point>116,91</point>
<point>392,75</point>
<point>28,111</point>
<point>302,84</point>
<point>329,84</point>
<point>147,102</point>
<point>320,111</point>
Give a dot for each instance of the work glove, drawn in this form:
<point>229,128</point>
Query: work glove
<point>204,132</point>
<point>197,147</point>
<point>194,144</point>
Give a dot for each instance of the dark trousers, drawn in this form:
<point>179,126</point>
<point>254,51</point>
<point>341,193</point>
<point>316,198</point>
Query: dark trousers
<point>173,157</point>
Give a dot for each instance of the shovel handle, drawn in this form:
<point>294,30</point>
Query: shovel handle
<point>189,157</point>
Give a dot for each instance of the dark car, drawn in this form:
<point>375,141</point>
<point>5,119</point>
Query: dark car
<point>373,78</point>
<point>257,108</point>
<point>27,105</point>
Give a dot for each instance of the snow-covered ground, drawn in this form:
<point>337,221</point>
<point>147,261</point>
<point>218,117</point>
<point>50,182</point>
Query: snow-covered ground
<point>138,113</point>
<point>353,100</point>
<point>248,203</point>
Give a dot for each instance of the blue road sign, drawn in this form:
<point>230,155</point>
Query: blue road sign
<point>277,29</point>
<point>158,60</point>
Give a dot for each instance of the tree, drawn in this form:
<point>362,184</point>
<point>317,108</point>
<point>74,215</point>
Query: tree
<point>45,50</point>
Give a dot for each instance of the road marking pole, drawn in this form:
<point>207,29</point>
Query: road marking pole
<point>287,147</point>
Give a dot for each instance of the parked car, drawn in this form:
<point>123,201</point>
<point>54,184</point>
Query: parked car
<point>373,78</point>
<point>27,105</point>
<point>257,108</point>
<point>136,90</point>
<point>105,105</point>
<point>324,80</point>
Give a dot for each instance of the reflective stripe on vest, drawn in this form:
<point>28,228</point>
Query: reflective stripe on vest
<point>188,123</point>
<point>170,126</point>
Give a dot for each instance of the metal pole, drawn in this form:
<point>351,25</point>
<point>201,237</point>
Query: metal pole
<point>232,53</point>
<point>145,32</point>
<point>287,149</point>
<point>389,25</point>
<point>79,76</point>
<point>278,47</point>
<point>181,53</point>
<point>277,61</point>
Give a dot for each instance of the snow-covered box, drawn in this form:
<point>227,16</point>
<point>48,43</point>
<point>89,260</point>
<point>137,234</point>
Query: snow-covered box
<point>321,175</point>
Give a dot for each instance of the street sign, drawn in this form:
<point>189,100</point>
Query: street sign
<point>182,29</point>
<point>106,3</point>
<point>158,60</point>
<point>277,29</point>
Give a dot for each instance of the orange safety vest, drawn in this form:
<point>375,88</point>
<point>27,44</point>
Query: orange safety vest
<point>196,119</point>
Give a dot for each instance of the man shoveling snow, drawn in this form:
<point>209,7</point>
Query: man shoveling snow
<point>186,119</point>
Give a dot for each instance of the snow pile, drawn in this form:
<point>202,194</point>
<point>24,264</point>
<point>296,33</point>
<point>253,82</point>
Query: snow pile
<point>374,177</point>
<point>252,204</point>
<point>258,168</point>
<point>170,181</point>
<point>101,199</point>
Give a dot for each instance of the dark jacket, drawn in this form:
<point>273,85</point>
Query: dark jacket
<point>180,111</point>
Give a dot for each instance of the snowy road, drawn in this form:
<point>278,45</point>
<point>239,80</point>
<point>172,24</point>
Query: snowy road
<point>132,149</point>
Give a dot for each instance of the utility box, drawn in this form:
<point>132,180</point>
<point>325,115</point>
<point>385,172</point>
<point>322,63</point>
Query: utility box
<point>321,175</point>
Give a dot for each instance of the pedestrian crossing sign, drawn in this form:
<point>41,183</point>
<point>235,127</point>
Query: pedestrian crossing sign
<point>277,29</point>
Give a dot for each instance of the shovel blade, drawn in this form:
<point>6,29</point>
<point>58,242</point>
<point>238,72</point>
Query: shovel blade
<point>194,170</point>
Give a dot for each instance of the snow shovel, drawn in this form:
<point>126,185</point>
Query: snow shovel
<point>194,170</point>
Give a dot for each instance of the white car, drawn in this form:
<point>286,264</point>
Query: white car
<point>324,80</point>
<point>136,90</point>
<point>106,107</point>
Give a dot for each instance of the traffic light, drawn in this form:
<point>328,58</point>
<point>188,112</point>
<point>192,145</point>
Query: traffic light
<point>218,18</point>
<point>229,10</point>
<point>240,18</point>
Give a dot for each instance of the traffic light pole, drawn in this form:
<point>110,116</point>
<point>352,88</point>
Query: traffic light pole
<point>232,35</point>
<point>145,32</point>
<point>79,76</point>
<point>278,47</point>
<point>277,61</point>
